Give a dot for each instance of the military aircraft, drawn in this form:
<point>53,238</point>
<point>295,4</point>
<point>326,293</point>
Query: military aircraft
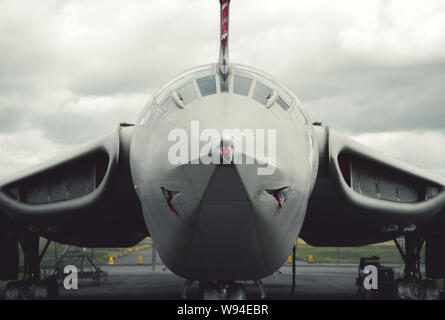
<point>223,206</point>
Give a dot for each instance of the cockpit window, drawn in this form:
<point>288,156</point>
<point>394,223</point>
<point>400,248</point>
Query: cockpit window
<point>146,116</point>
<point>262,93</point>
<point>185,77</point>
<point>242,85</point>
<point>168,104</point>
<point>283,104</point>
<point>187,93</point>
<point>207,85</point>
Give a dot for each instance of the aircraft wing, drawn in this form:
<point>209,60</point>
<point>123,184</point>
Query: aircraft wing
<point>85,198</point>
<point>362,196</point>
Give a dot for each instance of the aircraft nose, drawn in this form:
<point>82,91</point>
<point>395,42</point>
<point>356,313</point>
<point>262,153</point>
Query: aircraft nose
<point>225,243</point>
<point>224,221</point>
<point>228,212</point>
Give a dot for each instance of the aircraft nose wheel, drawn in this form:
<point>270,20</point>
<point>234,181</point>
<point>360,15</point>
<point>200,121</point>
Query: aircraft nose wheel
<point>236,292</point>
<point>222,291</point>
<point>210,291</point>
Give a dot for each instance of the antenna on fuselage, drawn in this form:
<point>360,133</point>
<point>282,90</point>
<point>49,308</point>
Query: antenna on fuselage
<point>223,63</point>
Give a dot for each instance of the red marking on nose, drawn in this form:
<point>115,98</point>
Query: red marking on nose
<point>279,200</point>
<point>225,150</point>
<point>172,209</point>
<point>168,198</point>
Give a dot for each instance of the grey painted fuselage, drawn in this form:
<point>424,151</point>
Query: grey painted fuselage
<point>223,221</point>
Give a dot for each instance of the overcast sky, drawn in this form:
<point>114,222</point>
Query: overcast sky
<point>70,71</point>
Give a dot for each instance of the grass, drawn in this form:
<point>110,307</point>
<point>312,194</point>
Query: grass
<point>387,254</point>
<point>103,255</point>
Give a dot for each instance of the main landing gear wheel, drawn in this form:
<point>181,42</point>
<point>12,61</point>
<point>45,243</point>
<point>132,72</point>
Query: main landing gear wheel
<point>32,290</point>
<point>15,291</point>
<point>32,287</point>
<point>412,286</point>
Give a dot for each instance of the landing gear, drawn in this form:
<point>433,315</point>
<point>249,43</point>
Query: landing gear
<point>222,290</point>
<point>411,286</point>
<point>187,285</point>
<point>32,289</point>
<point>16,291</point>
<point>31,286</point>
<point>236,291</point>
<point>260,285</point>
<point>211,291</point>
<point>411,256</point>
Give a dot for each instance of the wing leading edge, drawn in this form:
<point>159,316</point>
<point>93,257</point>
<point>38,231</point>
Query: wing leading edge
<point>363,197</point>
<point>84,198</point>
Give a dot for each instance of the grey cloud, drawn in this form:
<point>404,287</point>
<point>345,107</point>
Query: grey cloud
<point>72,70</point>
<point>375,100</point>
<point>81,119</point>
<point>422,149</point>
<point>11,119</point>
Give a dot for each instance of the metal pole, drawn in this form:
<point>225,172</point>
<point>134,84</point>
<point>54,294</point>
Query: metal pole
<point>153,257</point>
<point>293,268</point>
<point>223,62</point>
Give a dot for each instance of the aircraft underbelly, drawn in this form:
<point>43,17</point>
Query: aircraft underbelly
<point>227,233</point>
<point>225,244</point>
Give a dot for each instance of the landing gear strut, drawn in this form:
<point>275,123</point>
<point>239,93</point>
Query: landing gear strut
<point>411,256</point>
<point>411,286</point>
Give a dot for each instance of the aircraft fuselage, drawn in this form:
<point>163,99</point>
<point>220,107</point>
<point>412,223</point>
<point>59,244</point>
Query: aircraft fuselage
<point>224,177</point>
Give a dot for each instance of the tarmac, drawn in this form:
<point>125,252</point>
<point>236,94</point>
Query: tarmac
<point>129,280</point>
